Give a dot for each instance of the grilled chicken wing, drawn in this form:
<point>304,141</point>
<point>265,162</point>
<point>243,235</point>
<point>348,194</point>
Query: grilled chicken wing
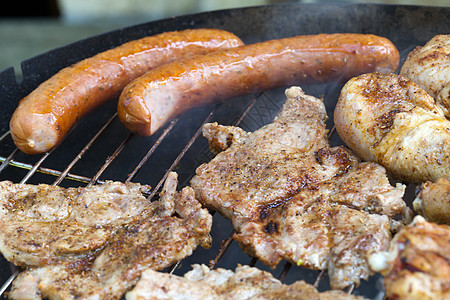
<point>429,67</point>
<point>417,265</point>
<point>433,201</point>
<point>291,196</point>
<point>388,119</point>
<point>221,284</point>
<point>155,238</point>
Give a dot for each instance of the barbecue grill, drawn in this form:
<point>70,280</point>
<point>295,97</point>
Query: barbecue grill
<point>99,148</point>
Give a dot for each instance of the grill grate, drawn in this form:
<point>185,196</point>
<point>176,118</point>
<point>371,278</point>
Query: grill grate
<point>99,142</point>
<point>256,111</point>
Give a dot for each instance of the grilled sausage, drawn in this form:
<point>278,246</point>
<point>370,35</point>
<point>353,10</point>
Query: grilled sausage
<point>150,101</point>
<point>44,117</point>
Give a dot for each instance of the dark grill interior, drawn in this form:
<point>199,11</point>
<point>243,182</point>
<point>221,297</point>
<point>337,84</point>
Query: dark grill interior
<point>99,148</point>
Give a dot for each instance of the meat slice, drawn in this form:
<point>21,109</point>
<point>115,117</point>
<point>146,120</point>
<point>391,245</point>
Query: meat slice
<point>291,196</point>
<point>245,283</point>
<point>417,265</point>
<point>168,231</point>
<point>43,224</point>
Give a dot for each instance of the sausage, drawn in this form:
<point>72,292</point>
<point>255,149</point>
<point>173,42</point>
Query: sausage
<point>44,117</point>
<point>150,101</point>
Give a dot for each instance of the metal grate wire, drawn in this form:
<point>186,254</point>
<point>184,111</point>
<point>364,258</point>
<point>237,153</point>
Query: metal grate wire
<point>65,174</point>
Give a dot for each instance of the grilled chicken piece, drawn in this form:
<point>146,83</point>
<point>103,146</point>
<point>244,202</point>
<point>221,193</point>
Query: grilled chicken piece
<point>429,67</point>
<point>417,265</point>
<point>43,224</point>
<point>388,119</point>
<point>291,196</point>
<point>433,201</point>
<point>155,239</point>
<point>245,283</point>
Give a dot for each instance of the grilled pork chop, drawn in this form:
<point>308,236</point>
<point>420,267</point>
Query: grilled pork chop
<point>291,196</point>
<point>221,284</point>
<point>43,224</point>
<point>417,265</point>
<point>155,238</point>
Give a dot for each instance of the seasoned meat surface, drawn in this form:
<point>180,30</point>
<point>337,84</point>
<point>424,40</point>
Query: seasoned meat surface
<point>417,265</point>
<point>429,67</point>
<point>291,196</point>
<point>433,201</point>
<point>390,120</point>
<point>245,283</point>
<point>42,224</point>
<point>155,239</point>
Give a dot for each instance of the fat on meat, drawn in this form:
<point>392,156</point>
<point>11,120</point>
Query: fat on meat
<point>167,231</point>
<point>289,195</point>
<point>244,283</point>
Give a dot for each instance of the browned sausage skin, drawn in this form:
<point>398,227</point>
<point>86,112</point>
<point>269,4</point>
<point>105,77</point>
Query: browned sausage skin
<point>44,117</point>
<point>150,101</point>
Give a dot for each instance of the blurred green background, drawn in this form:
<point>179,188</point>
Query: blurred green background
<point>28,28</point>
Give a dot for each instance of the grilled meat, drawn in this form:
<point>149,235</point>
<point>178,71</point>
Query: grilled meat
<point>389,119</point>
<point>245,283</point>
<point>155,239</point>
<point>291,196</point>
<point>43,224</point>
<point>433,201</point>
<point>417,265</point>
<point>429,66</point>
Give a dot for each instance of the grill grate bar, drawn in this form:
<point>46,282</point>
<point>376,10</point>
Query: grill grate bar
<point>8,282</point>
<point>286,268</point>
<point>69,167</point>
<point>253,262</point>
<point>332,131</point>
<point>351,288</point>
<point>152,150</point>
<point>174,267</point>
<point>5,135</point>
<point>43,170</point>
<point>319,278</point>
<point>35,167</point>
<point>223,248</point>
<point>247,109</point>
<point>109,160</point>
<point>8,160</point>
<point>183,152</point>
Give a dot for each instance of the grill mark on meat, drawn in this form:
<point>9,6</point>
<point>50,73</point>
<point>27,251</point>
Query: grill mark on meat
<point>271,227</point>
<point>339,155</point>
<point>150,235</point>
<point>386,120</point>
<point>268,209</point>
<point>291,196</point>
